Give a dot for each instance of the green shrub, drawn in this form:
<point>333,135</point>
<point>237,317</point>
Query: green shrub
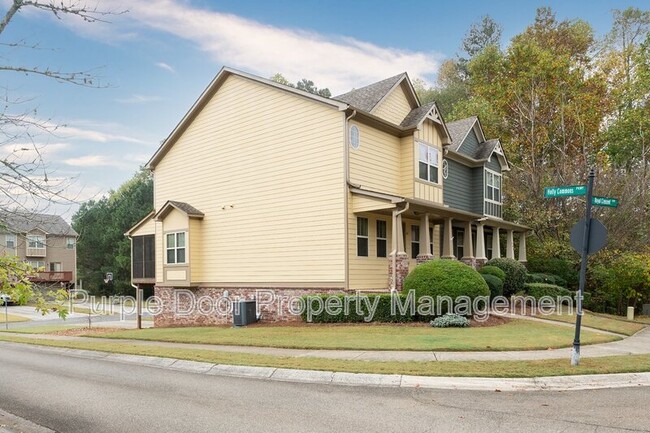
<point>546,278</point>
<point>450,320</point>
<point>538,290</point>
<point>494,283</point>
<point>445,278</point>
<point>515,274</point>
<point>382,313</point>
<point>493,270</point>
<point>563,268</point>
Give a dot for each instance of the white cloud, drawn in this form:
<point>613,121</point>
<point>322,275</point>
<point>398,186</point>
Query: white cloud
<point>138,99</point>
<point>98,161</point>
<point>337,62</point>
<point>31,151</point>
<point>166,67</point>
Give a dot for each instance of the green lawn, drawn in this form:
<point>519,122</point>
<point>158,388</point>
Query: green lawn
<point>600,321</point>
<point>40,329</point>
<point>558,367</point>
<point>514,335</point>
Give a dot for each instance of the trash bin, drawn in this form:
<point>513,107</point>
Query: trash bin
<point>244,312</point>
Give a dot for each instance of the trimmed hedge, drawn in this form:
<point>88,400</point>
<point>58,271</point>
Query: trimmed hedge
<point>515,274</point>
<point>493,270</point>
<point>494,283</point>
<point>565,269</point>
<point>382,313</point>
<point>446,278</point>
<point>538,290</point>
<point>546,278</point>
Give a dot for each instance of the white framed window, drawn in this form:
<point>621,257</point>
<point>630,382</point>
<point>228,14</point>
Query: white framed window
<point>493,195</point>
<point>381,238</point>
<point>428,163</point>
<point>36,264</point>
<point>55,267</point>
<point>431,240</point>
<point>10,241</point>
<point>362,237</point>
<point>175,247</point>
<point>355,137</point>
<point>35,241</point>
<point>70,242</point>
<point>460,244</point>
<point>415,241</point>
<point>445,169</point>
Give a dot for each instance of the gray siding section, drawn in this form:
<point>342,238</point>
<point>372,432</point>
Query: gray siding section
<point>470,145</point>
<point>458,188</point>
<point>478,190</point>
<point>493,164</point>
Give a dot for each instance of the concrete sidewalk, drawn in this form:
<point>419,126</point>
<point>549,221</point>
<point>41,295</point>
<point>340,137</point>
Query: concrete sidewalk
<point>635,345</point>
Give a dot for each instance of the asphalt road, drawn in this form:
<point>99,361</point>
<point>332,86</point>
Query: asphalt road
<point>69,394</point>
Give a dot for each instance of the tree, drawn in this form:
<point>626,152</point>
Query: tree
<point>481,35</point>
<point>24,180</point>
<point>101,224</point>
<point>304,84</point>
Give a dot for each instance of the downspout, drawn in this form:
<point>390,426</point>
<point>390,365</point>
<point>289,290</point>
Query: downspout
<point>346,168</point>
<point>393,276</point>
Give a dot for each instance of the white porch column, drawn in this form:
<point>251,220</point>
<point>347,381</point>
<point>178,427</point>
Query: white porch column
<point>496,244</point>
<point>480,242</point>
<point>400,235</point>
<point>447,240</point>
<point>468,248</point>
<point>510,245</point>
<point>424,254</point>
<point>522,247</point>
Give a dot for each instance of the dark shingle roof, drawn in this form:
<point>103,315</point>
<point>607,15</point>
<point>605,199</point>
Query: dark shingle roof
<point>415,116</point>
<point>458,131</point>
<point>366,98</point>
<point>187,208</point>
<point>485,149</point>
<point>19,222</point>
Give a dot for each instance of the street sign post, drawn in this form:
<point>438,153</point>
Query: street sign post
<point>604,201</point>
<point>564,191</point>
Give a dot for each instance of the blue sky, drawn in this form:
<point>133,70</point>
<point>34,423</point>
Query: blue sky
<point>155,60</point>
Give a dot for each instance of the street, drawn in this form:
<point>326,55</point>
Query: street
<point>70,394</point>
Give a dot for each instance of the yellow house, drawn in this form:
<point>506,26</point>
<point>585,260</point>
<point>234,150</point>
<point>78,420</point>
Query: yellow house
<point>263,186</point>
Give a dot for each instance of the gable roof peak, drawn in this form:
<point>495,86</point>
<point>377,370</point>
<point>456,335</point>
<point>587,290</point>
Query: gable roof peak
<point>368,97</point>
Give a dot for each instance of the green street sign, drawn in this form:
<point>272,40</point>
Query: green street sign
<point>564,191</point>
<point>604,201</point>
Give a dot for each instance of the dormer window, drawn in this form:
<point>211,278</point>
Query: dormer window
<point>428,163</point>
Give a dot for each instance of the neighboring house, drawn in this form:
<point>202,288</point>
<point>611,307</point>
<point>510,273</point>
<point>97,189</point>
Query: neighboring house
<point>46,242</point>
<point>265,186</point>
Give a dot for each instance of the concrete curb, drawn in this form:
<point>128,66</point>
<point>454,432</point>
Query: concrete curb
<point>553,383</point>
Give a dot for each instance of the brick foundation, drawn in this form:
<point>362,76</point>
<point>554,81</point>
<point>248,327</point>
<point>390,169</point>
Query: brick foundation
<point>211,305</point>
<point>402,270</point>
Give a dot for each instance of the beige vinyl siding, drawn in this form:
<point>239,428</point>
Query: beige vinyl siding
<point>367,273</point>
<point>376,164</point>
<point>407,149</point>
<point>428,134</point>
<point>146,228</point>
<point>195,236</point>
<point>395,107</point>
<point>266,168</point>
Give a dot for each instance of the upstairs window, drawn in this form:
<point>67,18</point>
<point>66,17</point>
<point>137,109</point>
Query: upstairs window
<point>362,237</point>
<point>35,241</point>
<point>381,238</point>
<point>354,137</point>
<point>10,241</point>
<point>69,243</point>
<point>493,186</point>
<point>175,247</point>
<point>428,163</point>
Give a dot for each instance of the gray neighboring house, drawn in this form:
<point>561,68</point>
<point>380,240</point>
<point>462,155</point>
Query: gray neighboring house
<point>46,242</point>
<point>473,170</point>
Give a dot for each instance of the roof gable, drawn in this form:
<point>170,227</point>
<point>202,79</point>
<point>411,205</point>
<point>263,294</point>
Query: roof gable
<point>370,98</point>
<point>180,206</point>
<point>430,111</point>
<point>26,222</point>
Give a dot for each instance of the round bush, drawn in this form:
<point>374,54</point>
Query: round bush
<point>494,283</point>
<point>493,270</point>
<point>445,278</point>
<point>515,274</point>
<point>450,320</point>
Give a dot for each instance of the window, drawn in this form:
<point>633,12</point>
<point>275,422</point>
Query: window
<point>10,241</point>
<point>415,241</point>
<point>431,240</point>
<point>354,137</point>
<point>69,243</point>
<point>428,163</point>
<point>381,238</point>
<point>362,237</point>
<point>55,267</point>
<point>176,247</point>
<point>493,194</point>
<point>36,264</point>
<point>144,257</point>
<point>488,246</point>
<point>460,244</point>
<point>445,169</point>
<point>35,241</point>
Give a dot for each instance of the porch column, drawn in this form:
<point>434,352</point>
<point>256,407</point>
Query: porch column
<point>522,247</point>
<point>480,243</point>
<point>510,245</point>
<point>496,244</point>
<point>399,246</point>
<point>424,253</point>
<point>398,261</point>
<point>447,240</point>
<point>468,247</point>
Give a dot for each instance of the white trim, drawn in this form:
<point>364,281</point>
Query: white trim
<point>431,149</point>
<point>366,236</point>
<point>175,248</point>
